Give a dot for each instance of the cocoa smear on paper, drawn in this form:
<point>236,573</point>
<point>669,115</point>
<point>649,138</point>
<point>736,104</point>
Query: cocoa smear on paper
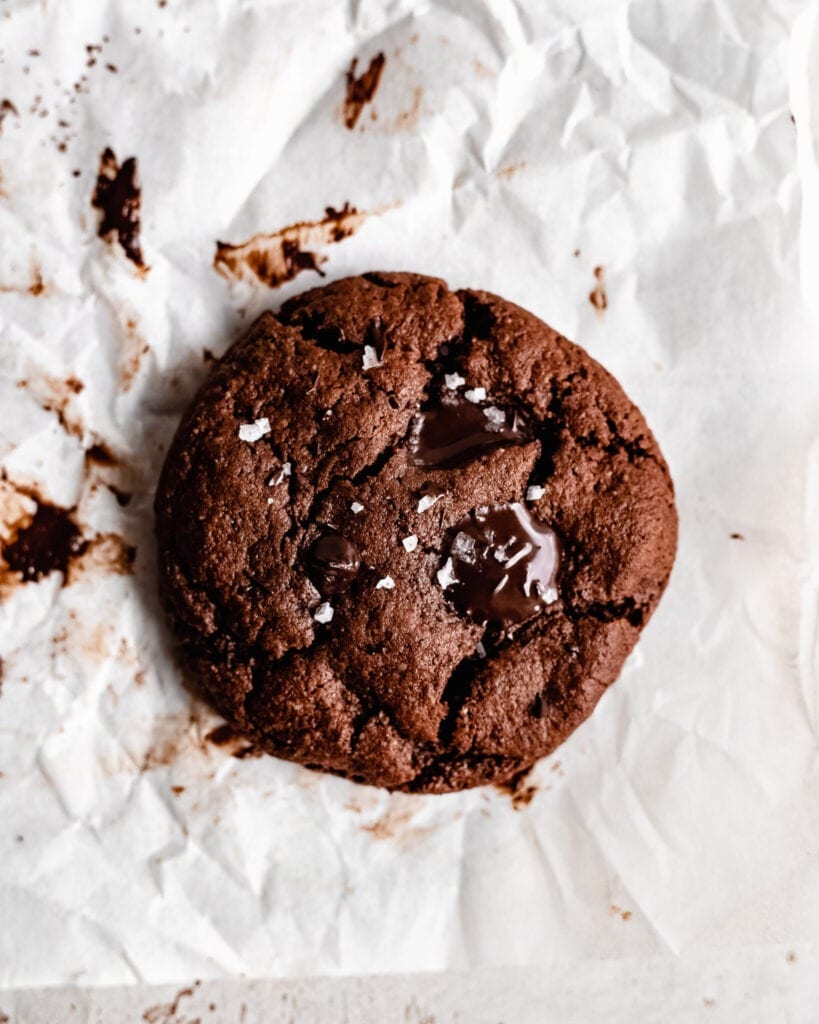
<point>6,108</point>
<point>226,736</point>
<point>361,90</point>
<point>280,256</point>
<point>166,1013</point>
<point>48,539</point>
<point>518,789</point>
<point>55,395</point>
<point>118,197</point>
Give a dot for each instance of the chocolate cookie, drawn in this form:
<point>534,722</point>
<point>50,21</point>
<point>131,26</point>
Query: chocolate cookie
<point>409,535</point>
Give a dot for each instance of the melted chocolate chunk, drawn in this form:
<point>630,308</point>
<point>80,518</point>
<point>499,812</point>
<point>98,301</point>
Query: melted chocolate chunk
<point>334,563</point>
<point>457,431</point>
<point>502,566</point>
<point>49,542</point>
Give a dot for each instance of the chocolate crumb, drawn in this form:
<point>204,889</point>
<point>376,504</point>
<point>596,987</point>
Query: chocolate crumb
<point>361,90</point>
<point>598,297</point>
<point>736,536</point>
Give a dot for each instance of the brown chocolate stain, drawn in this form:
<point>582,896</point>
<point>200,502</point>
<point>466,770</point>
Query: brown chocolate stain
<point>278,257</point>
<point>105,553</point>
<point>6,108</point>
<point>134,349</point>
<point>597,296</point>
<point>708,1002</point>
<point>99,454</point>
<point>46,544</point>
<point>226,736</point>
<point>624,914</point>
<point>56,395</point>
<point>360,91</point>
<point>407,120</point>
<point>482,71</point>
<point>517,788</point>
<point>397,821</point>
<point>168,1013</point>
<point>36,288</point>
<point>736,536</point>
<point>510,170</point>
<point>790,957</point>
<point>38,537</point>
<point>118,198</point>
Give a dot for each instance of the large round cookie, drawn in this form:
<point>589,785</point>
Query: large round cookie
<point>409,535</point>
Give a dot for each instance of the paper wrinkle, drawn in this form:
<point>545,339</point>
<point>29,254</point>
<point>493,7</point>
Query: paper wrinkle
<point>651,138</point>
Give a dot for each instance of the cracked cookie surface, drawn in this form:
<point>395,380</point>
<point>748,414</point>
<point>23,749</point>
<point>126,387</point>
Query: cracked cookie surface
<point>313,494</point>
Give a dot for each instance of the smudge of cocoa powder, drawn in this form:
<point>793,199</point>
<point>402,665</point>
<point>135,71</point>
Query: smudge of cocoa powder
<point>598,297</point>
<point>118,198</point>
<point>361,90</point>
<point>518,789</point>
<point>280,256</point>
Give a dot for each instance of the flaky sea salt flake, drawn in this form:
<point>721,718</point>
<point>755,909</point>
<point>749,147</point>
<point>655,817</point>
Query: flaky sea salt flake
<point>446,576</point>
<point>277,478</point>
<point>254,431</point>
<point>454,381</point>
<point>535,492</point>
<point>387,583</point>
<point>356,507</point>
<point>428,501</point>
<point>370,358</point>
<point>324,613</point>
<point>496,416</point>
<point>410,543</point>
<point>475,394</point>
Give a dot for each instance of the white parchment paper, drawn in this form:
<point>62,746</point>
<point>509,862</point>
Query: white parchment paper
<point>513,145</point>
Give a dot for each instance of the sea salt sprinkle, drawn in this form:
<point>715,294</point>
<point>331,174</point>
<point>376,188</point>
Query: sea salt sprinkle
<point>356,507</point>
<point>254,431</point>
<point>446,576</point>
<point>535,492</point>
<point>370,358</point>
<point>324,613</point>
<point>496,416</point>
<point>454,381</point>
<point>410,543</point>
<point>387,583</point>
<point>475,394</point>
<point>285,471</point>
<point>428,501</point>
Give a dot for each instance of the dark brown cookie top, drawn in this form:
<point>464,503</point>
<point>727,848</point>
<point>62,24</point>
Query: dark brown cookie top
<point>410,535</point>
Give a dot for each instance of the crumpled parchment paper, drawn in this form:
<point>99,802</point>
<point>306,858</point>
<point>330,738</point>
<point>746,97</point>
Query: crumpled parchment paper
<point>625,168</point>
